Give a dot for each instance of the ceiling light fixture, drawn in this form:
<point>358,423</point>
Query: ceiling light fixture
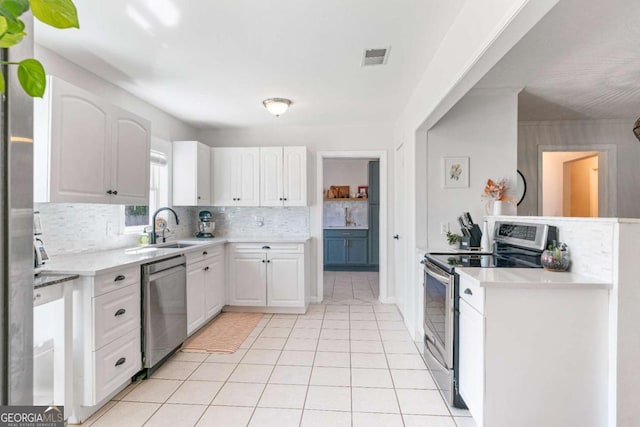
<point>277,106</point>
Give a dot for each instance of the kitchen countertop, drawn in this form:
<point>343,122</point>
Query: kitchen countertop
<point>90,264</point>
<point>530,278</point>
<point>43,280</point>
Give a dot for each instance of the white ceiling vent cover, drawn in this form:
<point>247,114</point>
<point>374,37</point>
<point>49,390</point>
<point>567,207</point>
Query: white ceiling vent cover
<point>377,56</point>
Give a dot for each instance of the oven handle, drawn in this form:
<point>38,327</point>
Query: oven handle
<point>436,272</point>
<point>429,344</point>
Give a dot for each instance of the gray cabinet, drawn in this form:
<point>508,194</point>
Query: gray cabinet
<point>345,248</point>
<point>374,213</point>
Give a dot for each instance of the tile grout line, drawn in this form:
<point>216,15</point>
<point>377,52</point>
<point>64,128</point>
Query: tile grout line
<point>312,367</point>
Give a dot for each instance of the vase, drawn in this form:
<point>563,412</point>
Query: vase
<point>498,207</point>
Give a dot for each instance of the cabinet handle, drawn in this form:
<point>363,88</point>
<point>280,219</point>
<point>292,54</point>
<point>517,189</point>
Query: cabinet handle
<point>206,268</point>
<point>268,261</point>
<point>120,312</point>
<point>345,243</point>
<point>281,199</point>
<point>285,199</point>
<point>468,291</point>
<point>205,253</point>
<point>119,278</point>
<point>115,192</point>
<point>266,247</point>
<point>397,237</point>
<point>199,197</point>
<point>109,192</point>
<point>263,261</point>
<point>121,361</point>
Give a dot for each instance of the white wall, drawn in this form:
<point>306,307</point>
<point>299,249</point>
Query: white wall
<point>163,125</point>
<point>483,127</point>
<point>483,32</point>
<point>351,172</point>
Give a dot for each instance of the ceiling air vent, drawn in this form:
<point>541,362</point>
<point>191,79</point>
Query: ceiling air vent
<point>375,56</point>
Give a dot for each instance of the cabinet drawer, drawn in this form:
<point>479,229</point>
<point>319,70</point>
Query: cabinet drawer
<point>472,293</point>
<point>115,364</point>
<point>118,279</point>
<point>116,314</point>
<point>346,233</point>
<point>207,253</point>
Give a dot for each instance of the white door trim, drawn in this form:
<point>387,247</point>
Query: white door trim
<point>382,155</point>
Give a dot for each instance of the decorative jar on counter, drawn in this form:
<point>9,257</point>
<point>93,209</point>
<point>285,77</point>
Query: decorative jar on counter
<point>556,257</point>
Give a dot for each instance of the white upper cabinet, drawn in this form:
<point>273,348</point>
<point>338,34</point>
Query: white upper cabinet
<point>130,162</point>
<point>87,150</point>
<point>191,174</point>
<point>236,176</point>
<point>283,173</point>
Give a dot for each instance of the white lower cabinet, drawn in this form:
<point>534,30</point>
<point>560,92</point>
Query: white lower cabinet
<point>205,286</point>
<point>471,362</point>
<point>107,334</point>
<point>270,275</point>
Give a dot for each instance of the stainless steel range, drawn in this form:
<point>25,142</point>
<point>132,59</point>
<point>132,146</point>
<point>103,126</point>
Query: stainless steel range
<point>516,245</point>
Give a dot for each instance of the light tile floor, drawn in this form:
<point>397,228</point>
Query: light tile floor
<point>347,362</point>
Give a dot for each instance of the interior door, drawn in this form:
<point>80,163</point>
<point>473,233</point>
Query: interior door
<point>399,236</point>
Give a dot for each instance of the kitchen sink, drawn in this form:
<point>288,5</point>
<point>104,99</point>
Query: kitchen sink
<point>177,245</point>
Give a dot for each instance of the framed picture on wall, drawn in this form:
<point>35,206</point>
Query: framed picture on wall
<point>363,191</point>
<point>455,172</point>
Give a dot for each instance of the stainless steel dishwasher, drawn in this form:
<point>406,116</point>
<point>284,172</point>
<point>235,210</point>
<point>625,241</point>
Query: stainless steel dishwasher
<point>164,309</point>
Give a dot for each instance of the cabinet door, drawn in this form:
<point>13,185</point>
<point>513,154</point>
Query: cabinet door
<point>295,176</point>
<point>374,182</point>
<point>335,251</point>
<point>130,158</point>
<point>357,251</point>
<point>214,285</point>
<point>271,190</point>
<point>195,296</point>
<point>247,279</point>
<point>471,360</point>
<point>223,177</point>
<point>247,177</point>
<point>285,280</point>
<point>203,178</point>
<point>73,139</point>
<point>374,234</point>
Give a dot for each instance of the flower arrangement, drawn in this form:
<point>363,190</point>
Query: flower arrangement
<point>496,190</point>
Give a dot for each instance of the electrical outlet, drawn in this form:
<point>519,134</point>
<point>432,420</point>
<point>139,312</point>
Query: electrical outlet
<point>444,227</point>
<point>259,221</point>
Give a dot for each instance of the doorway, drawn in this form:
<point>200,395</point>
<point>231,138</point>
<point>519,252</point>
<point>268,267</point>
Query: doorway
<point>356,261</point>
<point>577,181</point>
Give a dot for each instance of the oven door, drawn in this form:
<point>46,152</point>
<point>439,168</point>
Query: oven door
<point>438,313</point>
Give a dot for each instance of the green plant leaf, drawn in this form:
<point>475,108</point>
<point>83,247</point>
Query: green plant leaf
<point>3,25</point>
<point>16,7</point>
<point>57,13</point>
<point>32,77</point>
<point>2,85</point>
<point>8,39</point>
<point>15,27</point>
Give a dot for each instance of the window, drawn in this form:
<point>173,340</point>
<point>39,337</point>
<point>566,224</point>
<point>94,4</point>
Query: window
<point>137,217</point>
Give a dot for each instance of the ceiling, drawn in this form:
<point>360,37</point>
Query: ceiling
<point>211,63</point>
<point>582,61</point>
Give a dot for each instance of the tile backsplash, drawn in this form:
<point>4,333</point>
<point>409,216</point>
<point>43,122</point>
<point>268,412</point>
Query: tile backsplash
<point>75,228</point>
<point>260,222</point>
<point>334,213</point>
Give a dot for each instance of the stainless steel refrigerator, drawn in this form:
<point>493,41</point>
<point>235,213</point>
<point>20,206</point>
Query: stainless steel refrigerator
<point>16,233</point>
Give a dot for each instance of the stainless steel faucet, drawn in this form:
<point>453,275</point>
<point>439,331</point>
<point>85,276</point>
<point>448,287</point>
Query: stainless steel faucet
<point>154,237</point>
<point>347,217</point>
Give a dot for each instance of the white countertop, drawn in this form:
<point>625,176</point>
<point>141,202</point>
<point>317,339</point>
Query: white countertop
<point>90,264</point>
<point>528,278</point>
